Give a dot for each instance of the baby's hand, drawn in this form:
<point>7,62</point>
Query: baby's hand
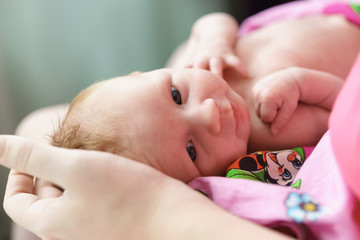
<point>276,98</point>
<point>215,59</point>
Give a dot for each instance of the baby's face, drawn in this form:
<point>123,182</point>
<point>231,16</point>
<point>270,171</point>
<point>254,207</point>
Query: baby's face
<point>183,122</point>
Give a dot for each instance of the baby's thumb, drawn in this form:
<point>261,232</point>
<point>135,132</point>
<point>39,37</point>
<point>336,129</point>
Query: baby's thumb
<point>282,118</point>
<point>277,125</point>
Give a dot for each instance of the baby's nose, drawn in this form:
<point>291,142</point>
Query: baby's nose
<point>207,116</point>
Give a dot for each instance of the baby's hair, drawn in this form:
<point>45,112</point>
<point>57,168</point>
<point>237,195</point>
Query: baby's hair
<point>69,134</point>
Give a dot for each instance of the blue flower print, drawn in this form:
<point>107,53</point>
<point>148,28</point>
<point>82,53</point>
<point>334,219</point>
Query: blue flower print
<point>301,207</point>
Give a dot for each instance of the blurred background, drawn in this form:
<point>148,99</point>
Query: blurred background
<point>50,50</point>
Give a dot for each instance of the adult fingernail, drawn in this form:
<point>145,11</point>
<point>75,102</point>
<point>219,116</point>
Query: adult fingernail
<point>2,146</point>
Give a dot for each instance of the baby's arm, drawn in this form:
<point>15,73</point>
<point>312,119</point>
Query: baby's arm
<point>277,95</point>
<point>211,45</point>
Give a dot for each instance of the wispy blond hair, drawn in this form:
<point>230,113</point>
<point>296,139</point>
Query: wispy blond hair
<point>71,134</point>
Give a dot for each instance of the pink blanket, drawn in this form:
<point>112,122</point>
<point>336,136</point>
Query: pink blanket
<point>345,129</point>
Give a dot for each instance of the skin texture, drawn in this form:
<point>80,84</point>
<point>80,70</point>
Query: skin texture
<point>205,114</point>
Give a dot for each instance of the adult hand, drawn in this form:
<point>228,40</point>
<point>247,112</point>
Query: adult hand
<point>104,196</point>
<point>89,205</point>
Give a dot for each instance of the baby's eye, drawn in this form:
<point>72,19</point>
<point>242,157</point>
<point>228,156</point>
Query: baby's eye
<point>176,95</point>
<point>191,151</point>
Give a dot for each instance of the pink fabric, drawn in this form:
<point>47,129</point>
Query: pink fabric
<point>308,151</point>
<point>345,127</point>
<point>292,10</point>
<point>323,184</point>
<point>274,205</point>
<point>346,10</point>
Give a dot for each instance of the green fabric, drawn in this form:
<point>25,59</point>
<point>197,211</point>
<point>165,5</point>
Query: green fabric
<point>355,7</point>
<point>237,173</point>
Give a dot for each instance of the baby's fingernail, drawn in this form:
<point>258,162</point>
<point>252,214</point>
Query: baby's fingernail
<point>2,146</point>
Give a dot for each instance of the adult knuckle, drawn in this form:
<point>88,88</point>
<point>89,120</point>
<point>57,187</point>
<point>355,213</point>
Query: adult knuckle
<point>21,156</point>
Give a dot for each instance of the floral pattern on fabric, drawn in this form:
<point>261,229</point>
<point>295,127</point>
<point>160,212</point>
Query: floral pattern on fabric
<point>302,207</point>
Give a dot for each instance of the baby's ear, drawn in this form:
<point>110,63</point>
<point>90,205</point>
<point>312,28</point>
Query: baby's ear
<point>135,73</point>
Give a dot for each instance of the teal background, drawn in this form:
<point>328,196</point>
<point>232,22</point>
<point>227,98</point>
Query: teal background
<point>52,49</point>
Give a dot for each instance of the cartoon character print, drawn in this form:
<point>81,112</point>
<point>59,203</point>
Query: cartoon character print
<point>283,166</point>
<point>278,167</point>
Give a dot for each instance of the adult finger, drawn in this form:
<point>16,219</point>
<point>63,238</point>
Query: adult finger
<point>45,189</point>
<point>49,163</point>
<point>39,215</point>
<point>19,196</point>
<point>19,183</point>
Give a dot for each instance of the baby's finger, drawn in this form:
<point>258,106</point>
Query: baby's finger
<point>216,66</point>
<point>283,116</point>
<point>267,111</point>
<point>236,63</point>
<point>188,65</point>
<point>202,63</point>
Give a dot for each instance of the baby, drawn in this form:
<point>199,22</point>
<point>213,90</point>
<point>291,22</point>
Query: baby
<point>270,89</point>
